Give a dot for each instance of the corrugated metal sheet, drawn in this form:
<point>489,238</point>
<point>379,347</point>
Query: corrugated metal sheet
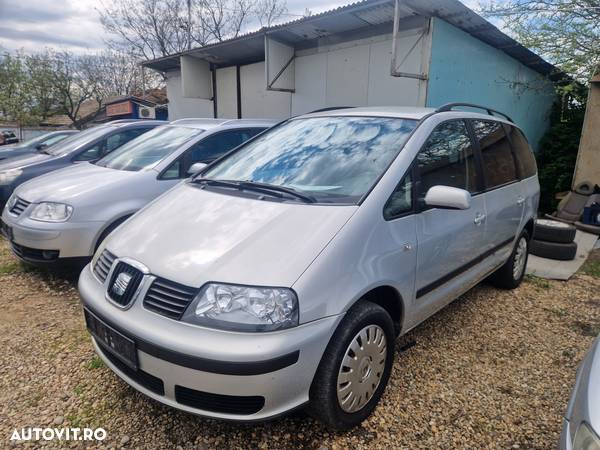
<point>357,16</point>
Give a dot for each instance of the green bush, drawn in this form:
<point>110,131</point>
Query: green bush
<point>558,148</point>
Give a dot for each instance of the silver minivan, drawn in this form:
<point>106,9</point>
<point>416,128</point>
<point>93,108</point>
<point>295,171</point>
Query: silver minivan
<point>280,275</point>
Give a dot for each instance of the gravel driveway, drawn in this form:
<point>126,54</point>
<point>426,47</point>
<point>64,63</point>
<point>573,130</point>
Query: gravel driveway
<point>492,370</point>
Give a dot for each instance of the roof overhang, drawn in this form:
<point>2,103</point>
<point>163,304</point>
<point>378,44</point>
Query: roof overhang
<point>357,19</point>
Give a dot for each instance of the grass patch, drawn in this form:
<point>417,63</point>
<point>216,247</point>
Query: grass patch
<point>95,363</point>
<point>78,390</point>
<point>10,267</point>
<point>558,312</point>
<point>592,268</point>
<point>587,328</point>
<point>538,282</point>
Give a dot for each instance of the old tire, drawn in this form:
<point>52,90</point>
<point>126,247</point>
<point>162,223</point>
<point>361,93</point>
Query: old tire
<point>336,377</point>
<point>553,250</point>
<point>554,231</point>
<point>511,273</point>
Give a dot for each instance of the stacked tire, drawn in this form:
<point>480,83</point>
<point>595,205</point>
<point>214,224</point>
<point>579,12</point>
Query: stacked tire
<point>554,240</point>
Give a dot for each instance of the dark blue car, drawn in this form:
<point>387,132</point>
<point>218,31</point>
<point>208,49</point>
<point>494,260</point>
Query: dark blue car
<point>36,144</point>
<point>89,145</point>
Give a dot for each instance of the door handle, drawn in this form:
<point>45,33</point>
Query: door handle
<point>479,218</point>
<point>520,200</point>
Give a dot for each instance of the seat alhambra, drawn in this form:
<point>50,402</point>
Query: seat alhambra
<point>280,275</point>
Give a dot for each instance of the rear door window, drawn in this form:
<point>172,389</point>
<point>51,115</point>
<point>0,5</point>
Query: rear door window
<point>447,159</point>
<point>497,156</point>
<point>524,156</point>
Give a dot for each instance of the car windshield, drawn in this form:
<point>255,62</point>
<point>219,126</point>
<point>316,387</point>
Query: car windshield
<point>149,149</point>
<point>74,142</point>
<point>46,138</point>
<point>332,159</point>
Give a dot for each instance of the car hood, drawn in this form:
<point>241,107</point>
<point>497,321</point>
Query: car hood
<point>24,160</point>
<point>192,236</point>
<point>72,184</point>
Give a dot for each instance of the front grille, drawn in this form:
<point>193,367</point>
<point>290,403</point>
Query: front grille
<point>142,378</point>
<point>227,404</point>
<point>103,265</point>
<point>124,282</point>
<point>19,206</point>
<point>169,298</point>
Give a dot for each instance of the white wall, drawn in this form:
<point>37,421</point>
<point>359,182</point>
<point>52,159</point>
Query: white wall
<point>257,102</point>
<point>358,74</point>
<point>227,93</point>
<point>355,73</point>
<point>180,107</point>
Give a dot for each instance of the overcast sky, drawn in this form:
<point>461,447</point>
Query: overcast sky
<point>74,24</point>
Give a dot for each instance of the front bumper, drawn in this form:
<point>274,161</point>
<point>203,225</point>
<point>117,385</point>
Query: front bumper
<point>69,239</point>
<point>210,372</point>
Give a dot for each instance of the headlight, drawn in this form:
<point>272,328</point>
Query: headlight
<point>51,212</point>
<point>586,439</point>
<point>8,176</point>
<point>244,308</point>
<point>11,202</point>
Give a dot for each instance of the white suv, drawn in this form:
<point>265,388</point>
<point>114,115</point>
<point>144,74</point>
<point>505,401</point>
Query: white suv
<point>280,276</point>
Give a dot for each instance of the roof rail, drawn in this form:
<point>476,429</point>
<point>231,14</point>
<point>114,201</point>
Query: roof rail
<point>330,108</point>
<point>490,111</point>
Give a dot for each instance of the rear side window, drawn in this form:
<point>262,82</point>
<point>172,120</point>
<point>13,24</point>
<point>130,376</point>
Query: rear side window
<point>218,144</point>
<point>525,158</point>
<point>498,161</point>
<point>447,159</point>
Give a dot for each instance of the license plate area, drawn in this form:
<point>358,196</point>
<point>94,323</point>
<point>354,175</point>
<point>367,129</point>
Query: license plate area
<point>111,340</point>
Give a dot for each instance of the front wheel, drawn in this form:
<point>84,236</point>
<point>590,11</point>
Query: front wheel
<point>510,275</point>
<point>355,368</point>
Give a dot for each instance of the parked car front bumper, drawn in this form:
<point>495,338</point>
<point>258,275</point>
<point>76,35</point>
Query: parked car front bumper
<point>221,370</point>
<point>69,239</point>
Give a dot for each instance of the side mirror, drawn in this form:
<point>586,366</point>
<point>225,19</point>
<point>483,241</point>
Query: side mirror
<point>41,146</point>
<point>448,197</point>
<point>196,167</point>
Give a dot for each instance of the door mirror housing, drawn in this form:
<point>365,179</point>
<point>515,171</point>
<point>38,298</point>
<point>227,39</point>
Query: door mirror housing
<point>196,167</point>
<point>448,197</point>
<point>41,146</point>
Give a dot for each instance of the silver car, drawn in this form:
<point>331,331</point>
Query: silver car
<point>581,426</point>
<point>65,214</point>
<point>280,276</point>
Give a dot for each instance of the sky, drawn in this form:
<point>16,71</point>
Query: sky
<point>74,25</point>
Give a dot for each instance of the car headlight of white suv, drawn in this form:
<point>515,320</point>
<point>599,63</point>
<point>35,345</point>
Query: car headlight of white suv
<point>8,176</point>
<point>51,212</point>
<point>244,308</point>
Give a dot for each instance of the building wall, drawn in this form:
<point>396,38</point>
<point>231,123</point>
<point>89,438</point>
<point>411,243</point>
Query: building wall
<point>357,73</point>
<point>180,107</point>
<point>465,69</point>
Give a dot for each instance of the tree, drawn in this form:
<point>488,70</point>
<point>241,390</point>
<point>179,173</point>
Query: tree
<point>15,89</point>
<point>153,28</point>
<point>565,32</point>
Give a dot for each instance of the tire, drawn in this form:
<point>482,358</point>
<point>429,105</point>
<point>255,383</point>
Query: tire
<point>584,188</point>
<point>511,273</point>
<point>324,404</point>
<point>554,231</point>
<point>553,250</point>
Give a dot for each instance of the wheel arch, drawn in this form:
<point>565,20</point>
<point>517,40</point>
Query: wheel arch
<point>389,299</point>
<point>109,228</point>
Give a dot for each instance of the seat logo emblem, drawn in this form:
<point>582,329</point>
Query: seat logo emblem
<point>120,285</point>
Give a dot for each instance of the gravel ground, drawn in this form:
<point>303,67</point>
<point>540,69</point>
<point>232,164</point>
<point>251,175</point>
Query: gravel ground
<point>492,370</point>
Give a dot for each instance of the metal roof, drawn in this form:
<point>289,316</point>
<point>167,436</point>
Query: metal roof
<point>357,19</point>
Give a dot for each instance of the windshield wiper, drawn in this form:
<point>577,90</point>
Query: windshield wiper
<point>276,188</point>
<point>268,189</point>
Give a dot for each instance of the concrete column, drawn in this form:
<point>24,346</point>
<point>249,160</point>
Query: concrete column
<point>587,167</point>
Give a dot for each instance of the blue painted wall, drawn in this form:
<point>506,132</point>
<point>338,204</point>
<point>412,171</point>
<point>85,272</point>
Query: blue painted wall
<point>465,69</point>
